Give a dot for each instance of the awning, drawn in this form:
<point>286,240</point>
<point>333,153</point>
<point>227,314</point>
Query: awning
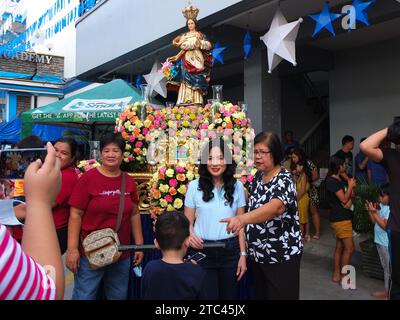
<point>100,105</point>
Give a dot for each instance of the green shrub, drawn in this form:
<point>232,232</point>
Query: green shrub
<point>362,223</point>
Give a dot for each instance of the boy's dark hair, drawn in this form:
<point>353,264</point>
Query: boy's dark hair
<point>384,190</point>
<point>394,132</point>
<point>112,138</point>
<point>172,228</point>
<point>347,139</point>
<point>30,142</point>
<point>272,141</point>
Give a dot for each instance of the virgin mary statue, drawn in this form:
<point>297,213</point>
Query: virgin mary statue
<point>193,62</point>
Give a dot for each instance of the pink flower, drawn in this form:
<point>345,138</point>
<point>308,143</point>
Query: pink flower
<point>163,170</point>
<point>200,117</point>
<point>244,122</point>
<point>139,144</point>
<point>236,149</point>
<point>204,126</point>
<point>228,132</point>
<point>131,138</point>
<point>168,198</point>
<point>212,134</point>
<point>227,114</point>
<point>180,169</point>
<point>250,178</point>
<point>166,65</point>
<point>131,158</point>
<point>173,183</point>
<point>122,116</point>
<point>145,131</point>
<point>121,129</point>
<point>156,124</point>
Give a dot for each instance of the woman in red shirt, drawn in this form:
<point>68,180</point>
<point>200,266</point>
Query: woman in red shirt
<point>94,206</point>
<point>66,150</point>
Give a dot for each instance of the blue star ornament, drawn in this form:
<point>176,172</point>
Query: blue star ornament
<point>247,45</point>
<point>324,20</point>
<point>217,53</point>
<point>362,9</point>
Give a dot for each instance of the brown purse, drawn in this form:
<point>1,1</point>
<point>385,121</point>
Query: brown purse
<point>101,246</point>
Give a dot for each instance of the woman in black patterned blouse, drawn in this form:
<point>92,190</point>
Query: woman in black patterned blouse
<point>272,224</point>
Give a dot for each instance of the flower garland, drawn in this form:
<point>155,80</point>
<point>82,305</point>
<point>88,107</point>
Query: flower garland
<point>169,186</point>
<point>86,165</point>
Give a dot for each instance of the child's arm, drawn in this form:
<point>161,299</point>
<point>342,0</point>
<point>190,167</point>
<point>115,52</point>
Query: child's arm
<point>382,222</point>
<point>372,210</point>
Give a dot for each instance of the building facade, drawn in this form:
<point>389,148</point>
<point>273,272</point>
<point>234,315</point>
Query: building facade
<point>342,84</point>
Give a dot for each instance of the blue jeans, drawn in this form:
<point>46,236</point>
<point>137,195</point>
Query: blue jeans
<point>220,266</point>
<point>115,281</point>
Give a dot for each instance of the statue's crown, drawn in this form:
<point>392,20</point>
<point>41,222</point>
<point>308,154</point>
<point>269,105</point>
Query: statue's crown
<point>190,12</point>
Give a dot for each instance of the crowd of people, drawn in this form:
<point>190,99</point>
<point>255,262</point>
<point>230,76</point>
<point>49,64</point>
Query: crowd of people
<point>263,229</point>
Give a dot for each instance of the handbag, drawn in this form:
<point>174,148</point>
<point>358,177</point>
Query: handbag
<point>101,246</point>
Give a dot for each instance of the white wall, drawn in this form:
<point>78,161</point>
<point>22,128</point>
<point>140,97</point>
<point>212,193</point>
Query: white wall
<point>120,26</point>
<point>89,87</point>
<point>45,100</point>
<point>63,43</point>
<point>364,91</point>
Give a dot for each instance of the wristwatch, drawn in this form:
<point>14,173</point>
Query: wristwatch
<point>243,253</point>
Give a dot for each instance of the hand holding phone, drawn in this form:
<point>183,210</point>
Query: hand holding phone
<point>198,256</point>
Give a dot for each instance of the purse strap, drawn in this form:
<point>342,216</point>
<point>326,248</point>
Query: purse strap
<point>121,201</point>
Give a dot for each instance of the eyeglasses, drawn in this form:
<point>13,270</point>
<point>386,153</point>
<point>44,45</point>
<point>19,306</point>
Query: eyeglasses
<point>261,152</point>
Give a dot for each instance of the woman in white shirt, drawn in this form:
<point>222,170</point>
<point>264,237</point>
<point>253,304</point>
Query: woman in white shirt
<point>214,196</point>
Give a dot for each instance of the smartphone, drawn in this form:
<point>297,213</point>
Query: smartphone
<point>198,256</point>
<point>14,162</point>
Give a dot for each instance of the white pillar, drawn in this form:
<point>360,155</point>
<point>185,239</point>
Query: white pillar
<point>262,93</point>
<point>32,102</point>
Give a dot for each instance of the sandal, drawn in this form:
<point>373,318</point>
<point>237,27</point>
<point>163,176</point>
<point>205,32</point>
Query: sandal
<point>307,238</point>
<point>315,237</point>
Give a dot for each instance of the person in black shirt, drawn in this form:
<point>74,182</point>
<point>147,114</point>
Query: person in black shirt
<point>347,156</point>
<point>339,199</point>
<point>390,158</point>
<point>171,278</point>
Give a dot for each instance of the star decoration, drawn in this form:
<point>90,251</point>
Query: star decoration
<point>362,9</point>
<point>247,45</point>
<point>156,80</point>
<point>324,20</point>
<point>280,40</point>
<point>217,53</point>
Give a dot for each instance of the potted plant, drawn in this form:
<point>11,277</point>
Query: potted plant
<point>363,225</point>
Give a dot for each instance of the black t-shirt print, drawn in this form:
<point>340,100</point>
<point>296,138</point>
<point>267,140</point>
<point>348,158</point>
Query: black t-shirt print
<point>279,239</point>
<point>338,212</point>
<point>391,161</point>
<point>348,161</point>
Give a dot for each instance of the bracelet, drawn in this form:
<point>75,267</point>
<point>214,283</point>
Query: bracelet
<point>243,253</point>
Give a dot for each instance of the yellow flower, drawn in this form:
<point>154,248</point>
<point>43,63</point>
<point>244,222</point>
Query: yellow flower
<point>170,123</point>
<point>178,203</point>
<point>155,176</point>
<point>189,176</point>
<point>192,116</point>
<point>182,189</point>
<point>175,110</point>
<point>126,154</point>
<point>128,146</point>
<point>170,173</point>
<point>185,123</point>
<point>211,126</point>
<point>147,123</point>
<point>170,208</point>
<point>127,124</point>
<point>126,160</point>
<point>164,188</point>
<point>163,203</point>
<point>227,119</point>
<point>131,128</point>
<point>138,123</point>
<point>178,116</point>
